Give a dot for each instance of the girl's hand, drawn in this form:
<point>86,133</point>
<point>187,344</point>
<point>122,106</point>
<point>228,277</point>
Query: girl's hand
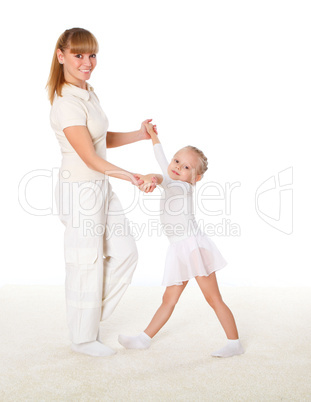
<point>146,183</point>
<point>149,186</point>
<point>143,132</point>
<point>152,131</point>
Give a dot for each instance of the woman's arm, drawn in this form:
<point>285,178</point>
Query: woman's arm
<point>80,139</point>
<point>118,139</point>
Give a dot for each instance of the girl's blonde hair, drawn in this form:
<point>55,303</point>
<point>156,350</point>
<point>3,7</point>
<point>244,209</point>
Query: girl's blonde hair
<point>202,158</point>
<point>78,40</point>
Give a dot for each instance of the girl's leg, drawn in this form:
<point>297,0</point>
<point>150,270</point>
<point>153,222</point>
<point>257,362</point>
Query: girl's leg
<point>210,290</point>
<point>169,301</point>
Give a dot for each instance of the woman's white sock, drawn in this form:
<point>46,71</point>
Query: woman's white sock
<point>94,348</point>
<point>232,348</point>
<point>141,341</point>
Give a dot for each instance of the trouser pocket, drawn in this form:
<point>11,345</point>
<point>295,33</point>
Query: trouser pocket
<point>82,270</point>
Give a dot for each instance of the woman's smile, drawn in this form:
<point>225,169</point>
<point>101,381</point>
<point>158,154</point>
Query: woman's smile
<point>77,67</point>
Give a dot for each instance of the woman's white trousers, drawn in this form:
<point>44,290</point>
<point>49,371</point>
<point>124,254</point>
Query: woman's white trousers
<point>100,254</point>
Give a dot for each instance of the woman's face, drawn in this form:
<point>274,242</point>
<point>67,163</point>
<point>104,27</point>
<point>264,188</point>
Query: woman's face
<point>77,67</point>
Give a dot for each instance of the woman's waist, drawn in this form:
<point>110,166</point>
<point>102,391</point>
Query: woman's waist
<point>68,153</point>
<point>74,169</point>
<point>70,157</point>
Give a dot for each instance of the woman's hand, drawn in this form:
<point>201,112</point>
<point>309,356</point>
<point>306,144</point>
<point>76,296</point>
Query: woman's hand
<point>143,133</point>
<point>146,183</point>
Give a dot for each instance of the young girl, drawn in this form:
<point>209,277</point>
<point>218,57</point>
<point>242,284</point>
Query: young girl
<point>191,253</point>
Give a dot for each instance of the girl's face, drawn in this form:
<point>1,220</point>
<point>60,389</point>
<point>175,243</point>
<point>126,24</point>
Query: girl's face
<point>77,67</point>
<point>184,166</point>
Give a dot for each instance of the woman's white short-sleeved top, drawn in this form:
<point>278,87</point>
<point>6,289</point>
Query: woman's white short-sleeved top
<point>79,107</point>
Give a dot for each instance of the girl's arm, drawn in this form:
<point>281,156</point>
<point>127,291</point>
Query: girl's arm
<point>151,179</point>
<point>80,139</point>
<point>118,139</point>
<point>151,131</point>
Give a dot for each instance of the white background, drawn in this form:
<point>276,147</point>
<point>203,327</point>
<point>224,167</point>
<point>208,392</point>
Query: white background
<point>230,77</point>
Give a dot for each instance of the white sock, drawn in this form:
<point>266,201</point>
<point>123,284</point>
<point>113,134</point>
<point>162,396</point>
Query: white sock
<point>141,341</point>
<point>232,348</point>
<point>94,348</point>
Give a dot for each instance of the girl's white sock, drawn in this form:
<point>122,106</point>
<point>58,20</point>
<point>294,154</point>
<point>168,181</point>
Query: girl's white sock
<point>232,348</point>
<point>141,341</point>
<point>94,348</point>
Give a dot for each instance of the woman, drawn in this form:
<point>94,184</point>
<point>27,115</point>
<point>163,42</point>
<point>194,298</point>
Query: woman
<point>99,267</point>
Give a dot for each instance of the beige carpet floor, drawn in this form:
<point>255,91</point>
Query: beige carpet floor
<point>37,363</point>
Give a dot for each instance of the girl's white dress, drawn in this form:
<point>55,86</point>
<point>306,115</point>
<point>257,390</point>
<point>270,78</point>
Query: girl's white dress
<point>191,252</point>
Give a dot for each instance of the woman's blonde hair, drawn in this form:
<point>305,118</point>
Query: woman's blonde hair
<point>202,158</point>
<point>78,40</point>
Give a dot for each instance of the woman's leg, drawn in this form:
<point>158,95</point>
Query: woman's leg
<point>162,315</point>
<point>210,290</point>
<point>84,204</point>
<point>121,256</point>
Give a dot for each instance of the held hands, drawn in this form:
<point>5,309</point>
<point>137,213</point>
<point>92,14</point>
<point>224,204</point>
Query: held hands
<point>152,131</point>
<point>144,133</point>
<point>146,183</point>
